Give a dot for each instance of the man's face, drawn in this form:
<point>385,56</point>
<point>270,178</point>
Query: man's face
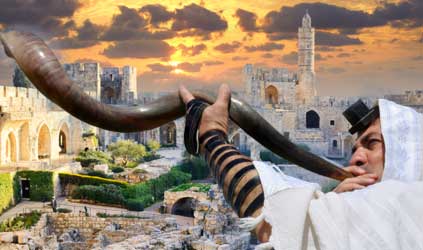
<point>369,150</point>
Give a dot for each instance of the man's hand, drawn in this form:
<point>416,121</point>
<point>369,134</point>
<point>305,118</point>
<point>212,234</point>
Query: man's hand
<point>361,180</point>
<point>214,116</point>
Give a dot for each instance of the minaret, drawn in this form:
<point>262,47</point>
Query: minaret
<point>306,75</point>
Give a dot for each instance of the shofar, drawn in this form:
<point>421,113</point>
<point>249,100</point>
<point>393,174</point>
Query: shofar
<point>43,69</point>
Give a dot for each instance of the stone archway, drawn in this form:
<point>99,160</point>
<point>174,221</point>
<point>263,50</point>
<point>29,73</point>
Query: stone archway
<point>184,207</point>
<point>168,134</point>
<point>312,119</point>
<point>44,143</point>
<point>63,139</point>
<point>24,146</point>
<point>272,95</point>
<point>11,148</point>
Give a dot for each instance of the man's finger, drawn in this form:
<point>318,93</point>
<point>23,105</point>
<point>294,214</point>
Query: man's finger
<point>224,95</point>
<point>355,170</point>
<point>185,94</point>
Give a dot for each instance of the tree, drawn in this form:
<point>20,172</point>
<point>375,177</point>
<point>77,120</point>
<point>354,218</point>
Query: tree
<point>90,157</point>
<point>153,145</point>
<point>20,80</point>
<point>127,150</point>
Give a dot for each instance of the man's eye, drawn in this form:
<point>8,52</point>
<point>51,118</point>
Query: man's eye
<point>373,142</point>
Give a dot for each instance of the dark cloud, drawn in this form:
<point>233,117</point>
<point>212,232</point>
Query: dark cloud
<point>158,67</point>
<point>332,39</point>
<point>265,47</point>
<point>417,58</point>
<point>239,58</point>
<point>343,55</point>
<point>87,36</point>
<point>139,49</point>
<point>89,60</point>
<point>228,47</point>
<point>130,25</point>
<point>267,55</point>
<point>39,16</point>
<point>405,14</point>
<point>190,67</point>
<point>291,58</point>
<point>89,31</point>
<point>195,20</point>
<point>212,63</point>
<point>276,36</point>
<point>158,13</point>
<point>71,43</point>
<point>247,20</point>
<point>192,50</point>
<point>324,16</point>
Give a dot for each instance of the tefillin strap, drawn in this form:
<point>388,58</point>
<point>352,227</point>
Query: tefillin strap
<point>194,113</point>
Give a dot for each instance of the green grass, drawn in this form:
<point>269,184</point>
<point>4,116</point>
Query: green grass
<point>183,187</point>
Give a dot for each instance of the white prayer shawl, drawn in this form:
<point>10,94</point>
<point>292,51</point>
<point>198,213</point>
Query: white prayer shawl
<point>386,215</point>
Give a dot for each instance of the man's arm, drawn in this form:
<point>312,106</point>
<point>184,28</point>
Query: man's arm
<point>234,172</point>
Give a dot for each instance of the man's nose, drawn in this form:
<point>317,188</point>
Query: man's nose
<point>359,157</point>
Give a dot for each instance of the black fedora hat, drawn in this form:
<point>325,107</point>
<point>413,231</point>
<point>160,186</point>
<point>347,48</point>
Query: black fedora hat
<point>360,116</point>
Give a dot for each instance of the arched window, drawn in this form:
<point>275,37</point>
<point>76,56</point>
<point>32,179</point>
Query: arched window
<point>312,119</point>
<point>335,143</point>
<point>271,95</point>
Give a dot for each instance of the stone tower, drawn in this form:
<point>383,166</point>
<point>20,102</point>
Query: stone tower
<point>306,75</point>
<point>129,84</point>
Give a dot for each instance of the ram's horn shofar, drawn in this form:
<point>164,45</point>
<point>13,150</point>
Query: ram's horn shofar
<point>43,69</point>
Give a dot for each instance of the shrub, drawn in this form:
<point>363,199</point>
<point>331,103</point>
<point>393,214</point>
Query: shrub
<point>40,184</point>
<point>153,145</point>
<point>135,205</point>
<point>6,191</point>
<point>98,173</point>
<point>153,190</point>
<point>150,157</point>
<point>195,166</point>
<point>132,164</point>
<point>80,180</point>
<point>24,221</point>
<point>64,210</point>
<point>92,157</point>
<point>104,193</point>
<point>202,187</point>
<point>118,170</point>
<point>127,150</point>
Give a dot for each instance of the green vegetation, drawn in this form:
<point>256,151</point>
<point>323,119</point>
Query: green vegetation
<point>153,190</point>
<point>21,222</point>
<point>196,166</point>
<point>267,155</point>
<point>134,197</point>
<point>127,151</point>
<point>92,157</point>
<point>108,193</point>
<point>80,180</point>
<point>117,169</point>
<point>64,210</point>
<point>153,146</point>
<point>7,191</point>
<point>135,205</point>
<point>40,184</point>
<point>98,173</point>
<point>204,188</point>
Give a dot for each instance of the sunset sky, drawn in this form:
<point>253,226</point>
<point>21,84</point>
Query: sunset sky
<point>363,47</point>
